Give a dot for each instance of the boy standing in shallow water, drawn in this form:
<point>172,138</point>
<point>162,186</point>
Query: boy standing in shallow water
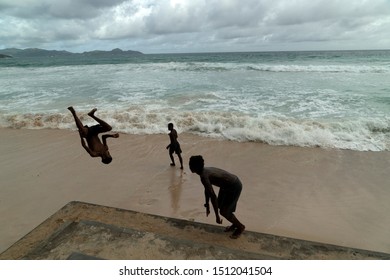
<point>229,192</point>
<point>95,147</point>
<point>174,146</point>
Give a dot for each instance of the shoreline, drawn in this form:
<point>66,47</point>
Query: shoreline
<point>332,196</point>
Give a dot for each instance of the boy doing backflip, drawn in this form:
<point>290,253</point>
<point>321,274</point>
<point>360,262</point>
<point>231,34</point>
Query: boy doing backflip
<point>229,192</point>
<point>94,146</point>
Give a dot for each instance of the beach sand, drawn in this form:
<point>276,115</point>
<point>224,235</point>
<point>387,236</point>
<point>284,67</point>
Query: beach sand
<point>332,196</point>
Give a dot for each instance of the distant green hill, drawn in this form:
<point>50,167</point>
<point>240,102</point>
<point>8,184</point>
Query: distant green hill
<point>5,56</point>
<point>33,52</point>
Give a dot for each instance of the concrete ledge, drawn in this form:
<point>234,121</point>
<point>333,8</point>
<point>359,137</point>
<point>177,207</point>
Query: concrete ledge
<point>76,256</point>
<point>88,231</point>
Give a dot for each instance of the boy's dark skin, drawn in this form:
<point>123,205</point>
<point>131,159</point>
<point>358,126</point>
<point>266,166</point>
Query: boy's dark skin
<point>94,146</point>
<point>174,146</point>
<point>229,185</point>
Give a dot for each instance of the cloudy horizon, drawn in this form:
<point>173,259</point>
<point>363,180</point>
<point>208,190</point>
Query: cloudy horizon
<point>180,26</point>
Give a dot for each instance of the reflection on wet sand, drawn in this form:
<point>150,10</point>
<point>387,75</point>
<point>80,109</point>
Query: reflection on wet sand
<point>175,188</point>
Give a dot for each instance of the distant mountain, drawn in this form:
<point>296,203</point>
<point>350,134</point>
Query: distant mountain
<point>5,56</point>
<point>33,52</point>
<point>114,52</point>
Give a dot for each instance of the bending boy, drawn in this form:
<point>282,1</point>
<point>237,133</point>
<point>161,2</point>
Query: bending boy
<point>95,147</point>
<point>229,192</point>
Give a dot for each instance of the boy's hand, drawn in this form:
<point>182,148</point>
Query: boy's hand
<point>207,209</point>
<point>219,220</point>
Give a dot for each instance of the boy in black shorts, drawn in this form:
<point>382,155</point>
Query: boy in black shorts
<point>174,146</point>
<point>229,191</point>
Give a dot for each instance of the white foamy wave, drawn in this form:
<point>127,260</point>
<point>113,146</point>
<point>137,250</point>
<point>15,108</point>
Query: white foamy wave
<point>261,67</point>
<point>220,67</point>
<point>321,68</point>
<point>360,135</point>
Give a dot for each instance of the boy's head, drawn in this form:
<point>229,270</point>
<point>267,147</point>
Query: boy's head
<point>196,164</point>
<point>106,159</point>
<point>170,126</point>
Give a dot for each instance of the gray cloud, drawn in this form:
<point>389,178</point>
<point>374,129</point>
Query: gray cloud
<point>195,25</point>
<point>68,9</point>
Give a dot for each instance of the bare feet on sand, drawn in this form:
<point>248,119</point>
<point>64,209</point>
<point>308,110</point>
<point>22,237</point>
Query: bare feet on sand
<point>237,233</point>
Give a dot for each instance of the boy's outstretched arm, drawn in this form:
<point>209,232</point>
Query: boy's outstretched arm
<point>207,205</point>
<point>213,197</point>
<point>105,136</point>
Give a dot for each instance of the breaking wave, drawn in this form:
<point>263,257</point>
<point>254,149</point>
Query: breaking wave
<point>242,67</point>
<point>360,135</point>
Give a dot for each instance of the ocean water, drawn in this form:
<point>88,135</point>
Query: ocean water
<point>332,99</point>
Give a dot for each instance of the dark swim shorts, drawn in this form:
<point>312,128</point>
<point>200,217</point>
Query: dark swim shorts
<point>227,199</point>
<point>95,130</point>
<point>175,148</point>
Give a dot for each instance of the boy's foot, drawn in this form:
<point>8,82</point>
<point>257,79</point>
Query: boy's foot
<point>92,112</point>
<point>71,109</point>
<point>181,168</point>
<point>172,164</point>
<point>237,233</point>
<point>230,228</point>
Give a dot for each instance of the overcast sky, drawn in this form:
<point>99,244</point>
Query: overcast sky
<point>161,26</point>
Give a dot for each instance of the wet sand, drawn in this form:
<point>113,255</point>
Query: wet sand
<point>331,196</point>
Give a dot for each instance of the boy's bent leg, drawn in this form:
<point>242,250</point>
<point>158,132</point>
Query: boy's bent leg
<point>105,126</point>
<point>83,130</point>
<point>172,159</point>
<point>237,226</point>
<point>181,161</point>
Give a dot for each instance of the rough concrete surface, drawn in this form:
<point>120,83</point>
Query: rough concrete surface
<point>82,231</point>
